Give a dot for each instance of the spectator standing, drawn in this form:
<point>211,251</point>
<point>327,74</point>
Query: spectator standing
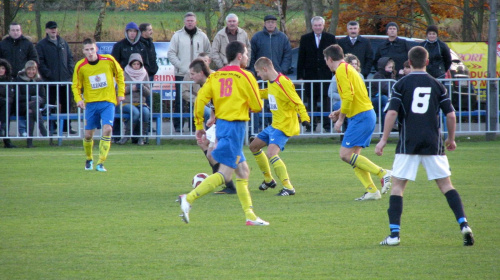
<point>134,103</point>
<point>357,107</point>
<point>185,46</point>
<point>225,36</point>
<point>417,103</point>
<point>17,50</point>
<point>190,91</point>
<point>31,98</point>
<point>380,89</point>
<point>311,66</point>
<point>94,91</point>
<point>439,53</point>
<point>359,46</point>
<point>273,44</point>
<point>146,30</point>
<point>7,97</point>
<point>394,47</point>
<point>56,65</point>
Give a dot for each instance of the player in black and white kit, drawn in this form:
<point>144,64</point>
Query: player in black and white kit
<point>416,101</point>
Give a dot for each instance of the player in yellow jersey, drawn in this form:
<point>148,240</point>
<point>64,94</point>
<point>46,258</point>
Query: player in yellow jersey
<point>95,75</point>
<point>234,92</point>
<point>358,108</point>
<point>285,104</point>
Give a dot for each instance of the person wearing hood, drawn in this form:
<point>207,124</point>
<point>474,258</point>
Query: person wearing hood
<point>6,99</point>
<point>135,98</point>
<point>394,47</point>
<point>121,52</point>
<point>31,97</point>
<point>380,89</point>
<point>439,53</point>
<point>185,46</point>
<point>130,44</point>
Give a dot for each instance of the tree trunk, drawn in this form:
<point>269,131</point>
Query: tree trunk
<point>480,18</point>
<point>335,16</point>
<point>318,7</point>
<point>38,8</point>
<point>208,11</point>
<point>222,14</point>
<point>308,14</point>
<point>466,22</point>
<point>282,4</point>
<point>100,20</point>
<point>426,9</point>
<point>6,16</point>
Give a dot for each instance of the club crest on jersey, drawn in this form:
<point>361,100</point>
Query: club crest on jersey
<point>98,81</point>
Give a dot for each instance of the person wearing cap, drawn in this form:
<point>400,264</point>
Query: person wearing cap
<point>273,44</point>
<point>394,47</point>
<point>185,46</point>
<point>121,52</point>
<point>312,66</point>
<point>56,65</point>
<point>225,36</point>
<point>439,53</point>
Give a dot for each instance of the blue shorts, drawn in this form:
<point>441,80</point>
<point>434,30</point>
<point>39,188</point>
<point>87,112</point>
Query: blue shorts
<point>271,135</point>
<point>97,111</point>
<point>360,129</point>
<point>230,137</point>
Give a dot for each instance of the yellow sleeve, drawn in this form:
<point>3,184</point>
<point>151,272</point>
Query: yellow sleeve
<point>76,87</point>
<point>345,89</point>
<point>289,88</point>
<point>204,96</point>
<point>255,101</point>
<point>119,77</point>
<point>264,93</point>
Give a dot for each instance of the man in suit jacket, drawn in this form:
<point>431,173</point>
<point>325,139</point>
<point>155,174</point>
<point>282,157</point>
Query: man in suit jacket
<point>311,65</point>
<point>358,46</point>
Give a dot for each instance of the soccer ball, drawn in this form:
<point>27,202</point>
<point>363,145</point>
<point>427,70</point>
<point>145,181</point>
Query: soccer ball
<point>198,178</point>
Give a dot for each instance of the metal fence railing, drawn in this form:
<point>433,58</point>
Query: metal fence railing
<point>34,105</point>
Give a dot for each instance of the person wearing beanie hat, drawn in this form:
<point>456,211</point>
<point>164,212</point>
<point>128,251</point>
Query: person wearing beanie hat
<point>394,47</point>
<point>439,53</point>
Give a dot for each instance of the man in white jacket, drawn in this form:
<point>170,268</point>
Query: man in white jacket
<point>225,36</point>
<point>185,46</point>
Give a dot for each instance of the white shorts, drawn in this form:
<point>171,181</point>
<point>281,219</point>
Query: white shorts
<point>406,166</point>
<point>210,134</point>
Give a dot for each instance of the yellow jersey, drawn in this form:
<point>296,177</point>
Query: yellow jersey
<point>352,91</point>
<point>285,105</point>
<point>97,80</point>
<point>233,91</point>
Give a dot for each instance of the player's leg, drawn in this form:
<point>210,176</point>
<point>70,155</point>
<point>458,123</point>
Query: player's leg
<point>395,211</point>
<point>277,143</point>
<point>92,121</point>
<point>262,160</point>
<point>438,169</point>
<point>242,174</point>
<point>107,115</point>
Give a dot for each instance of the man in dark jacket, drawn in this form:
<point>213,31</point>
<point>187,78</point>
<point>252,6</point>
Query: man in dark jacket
<point>17,49</point>
<point>146,30</point>
<point>56,65</point>
<point>311,65</point>
<point>394,47</point>
<point>439,53</point>
<point>273,44</point>
<point>358,46</point>
<point>129,45</point>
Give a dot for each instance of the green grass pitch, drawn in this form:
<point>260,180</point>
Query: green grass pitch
<point>58,221</point>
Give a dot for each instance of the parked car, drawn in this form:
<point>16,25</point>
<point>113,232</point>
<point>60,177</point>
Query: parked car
<point>464,96</point>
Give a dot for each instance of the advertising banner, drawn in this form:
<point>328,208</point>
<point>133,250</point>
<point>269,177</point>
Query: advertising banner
<point>475,57</point>
<point>165,68</point>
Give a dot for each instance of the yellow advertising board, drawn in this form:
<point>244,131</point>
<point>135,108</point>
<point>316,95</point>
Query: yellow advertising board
<point>475,57</point>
